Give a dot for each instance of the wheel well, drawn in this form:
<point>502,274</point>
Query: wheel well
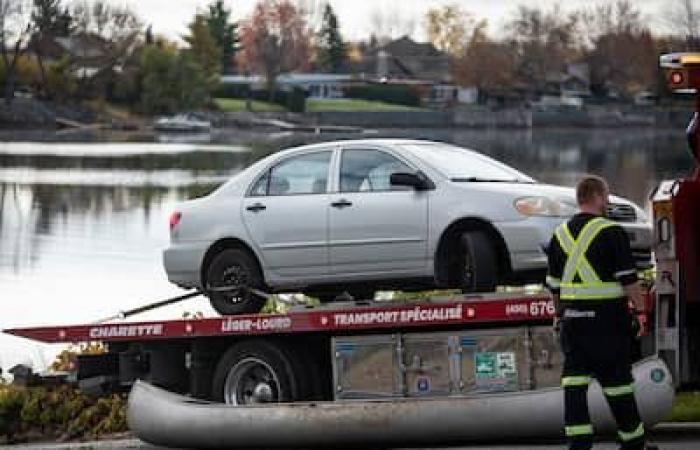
<point>447,249</point>
<point>221,245</point>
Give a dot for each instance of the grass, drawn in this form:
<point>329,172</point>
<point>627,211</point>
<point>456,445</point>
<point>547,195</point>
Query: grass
<point>686,407</point>
<point>239,104</point>
<point>350,104</point>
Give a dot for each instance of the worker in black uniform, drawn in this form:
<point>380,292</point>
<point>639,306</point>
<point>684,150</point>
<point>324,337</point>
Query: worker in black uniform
<point>593,279</point>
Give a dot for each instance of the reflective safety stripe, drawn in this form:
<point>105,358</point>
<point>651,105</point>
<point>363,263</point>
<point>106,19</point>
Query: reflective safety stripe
<point>590,287</point>
<point>577,261</point>
<point>597,291</point>
<point>553,282</point>
<point>628,436</point>
<point>578,430</point>
<point>618,390</point>
<point>579,380</point>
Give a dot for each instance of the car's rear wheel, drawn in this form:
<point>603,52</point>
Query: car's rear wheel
<point>229,276</point>
<point>478,263</point>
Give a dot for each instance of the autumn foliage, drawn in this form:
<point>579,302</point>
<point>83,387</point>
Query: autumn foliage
<point>275,39</point>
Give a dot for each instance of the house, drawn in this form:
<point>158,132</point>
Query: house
<point>88,53</point>
<point>317,85</point>
<point>569,87</point>
<point>404,61</point>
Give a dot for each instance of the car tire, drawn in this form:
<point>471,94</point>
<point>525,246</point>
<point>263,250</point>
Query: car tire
<point>478,263</point>
<point>256,371</point>
<point>234,267</point>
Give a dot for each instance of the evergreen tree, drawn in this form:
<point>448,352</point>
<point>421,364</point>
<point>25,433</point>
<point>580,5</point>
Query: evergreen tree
<point>204,49</point>
<point>149,35</point>
<point>331,48</point>
<point>224,32</point>
<point>49,18</point>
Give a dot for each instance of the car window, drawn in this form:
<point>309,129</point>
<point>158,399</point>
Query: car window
<point>369,170</point>
<point>304,174</point>
<point>259,189</point>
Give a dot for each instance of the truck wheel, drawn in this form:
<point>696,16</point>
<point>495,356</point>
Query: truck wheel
<point>478,264</point>
<point>254,372</point>
<point>234,269</point>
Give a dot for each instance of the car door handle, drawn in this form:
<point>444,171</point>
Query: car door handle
<point>255,207</point>
<point>342,203</point>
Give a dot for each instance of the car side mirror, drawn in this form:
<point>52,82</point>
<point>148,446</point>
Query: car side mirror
<point>417,181</point>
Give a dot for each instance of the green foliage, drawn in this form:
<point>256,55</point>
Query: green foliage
<point>686,407</point>
<point>224,33</point>
<point>58,412</point>
<point>294,100</point>
<point>203,48</point>
<point>331,47</point>
<point>172,81</point>
<point>350,104</point>
<point>397,94</point>
<point>61,84</point>
<point>51,19</point>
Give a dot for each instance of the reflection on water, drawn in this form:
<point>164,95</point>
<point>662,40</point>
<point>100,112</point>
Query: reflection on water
<point>82,226</point>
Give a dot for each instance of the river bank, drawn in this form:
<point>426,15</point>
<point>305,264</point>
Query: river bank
<point>26,113</point>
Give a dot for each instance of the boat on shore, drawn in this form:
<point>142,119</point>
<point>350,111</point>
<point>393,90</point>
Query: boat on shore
<point>163,418</point>
<point>185,123</point>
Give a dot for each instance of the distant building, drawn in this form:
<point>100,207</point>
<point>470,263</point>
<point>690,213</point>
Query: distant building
<point>317,85</point>
<point>87,53</point>
<point>570,87</point>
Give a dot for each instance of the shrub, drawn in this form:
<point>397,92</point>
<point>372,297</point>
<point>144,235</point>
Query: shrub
<point>294,100</point>
<point>389,93</point>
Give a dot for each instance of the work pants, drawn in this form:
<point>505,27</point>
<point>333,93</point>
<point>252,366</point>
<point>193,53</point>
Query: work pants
<point>596,343</point>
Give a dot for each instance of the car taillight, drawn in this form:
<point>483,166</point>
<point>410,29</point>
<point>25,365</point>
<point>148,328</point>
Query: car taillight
<point>175,219</point>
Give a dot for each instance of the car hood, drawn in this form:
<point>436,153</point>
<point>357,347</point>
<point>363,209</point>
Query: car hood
<point>518,190</point>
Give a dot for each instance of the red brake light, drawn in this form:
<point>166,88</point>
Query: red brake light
<point>677,77</point>
<point>175,219</point>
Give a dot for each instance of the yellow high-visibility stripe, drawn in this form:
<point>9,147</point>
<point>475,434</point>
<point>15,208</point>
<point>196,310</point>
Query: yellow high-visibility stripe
<point>577,380</point>
<point>628,436</point>
<point>617,391</point>
<point>578,430</point>
<point>590,287</point>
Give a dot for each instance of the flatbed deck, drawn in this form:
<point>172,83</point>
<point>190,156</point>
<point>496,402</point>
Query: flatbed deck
<point>334,317</point>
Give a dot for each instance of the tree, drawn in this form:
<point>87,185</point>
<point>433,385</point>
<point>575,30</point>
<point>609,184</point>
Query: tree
<point>172,81</point>
<point>683,18</point>
<point>275,40</point>
<point>449,28</point>
<point>224,32</point>
<point>49,20</point>
<point>203,48</point>
<point>331,48</point>
<point>485,64</point>
<point>15,30</point>
<point>619,49</point>
<point>545,41</point>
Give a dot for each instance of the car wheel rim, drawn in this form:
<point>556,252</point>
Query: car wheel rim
<point>251,381</point>
<point>236,278</point>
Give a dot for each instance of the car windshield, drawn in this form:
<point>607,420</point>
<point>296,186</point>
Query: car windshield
<point>462,165</point>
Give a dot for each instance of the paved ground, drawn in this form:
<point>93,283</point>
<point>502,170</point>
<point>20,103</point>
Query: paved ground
<point>664,443</point>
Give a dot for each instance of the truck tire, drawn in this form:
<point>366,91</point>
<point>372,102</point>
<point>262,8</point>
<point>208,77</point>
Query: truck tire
<point>234,268</point>
<point>478,263</point>
<point>257,371</point>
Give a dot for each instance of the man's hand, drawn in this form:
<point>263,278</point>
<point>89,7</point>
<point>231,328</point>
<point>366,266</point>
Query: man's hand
<point>634,295</point>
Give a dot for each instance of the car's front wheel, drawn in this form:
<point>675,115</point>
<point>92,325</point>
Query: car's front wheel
<point>229,277</point>
<point>478,263</point>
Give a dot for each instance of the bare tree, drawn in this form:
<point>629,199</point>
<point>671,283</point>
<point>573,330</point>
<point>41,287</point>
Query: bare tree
<point>275,40</point>
<point>683,18</point>
<point>15,32</point>
<point>390,23</point>
<point>450,28</point>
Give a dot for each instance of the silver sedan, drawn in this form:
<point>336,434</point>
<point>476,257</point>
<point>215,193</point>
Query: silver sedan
<point>363,215</point>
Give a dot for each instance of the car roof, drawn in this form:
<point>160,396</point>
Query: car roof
<point>369,141</point>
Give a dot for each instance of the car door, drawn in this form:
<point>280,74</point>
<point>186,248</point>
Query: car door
<point>376,229</point>
<point>286,213</point>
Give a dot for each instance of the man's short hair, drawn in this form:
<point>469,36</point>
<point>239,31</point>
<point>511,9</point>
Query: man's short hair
<point>588,187</point>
